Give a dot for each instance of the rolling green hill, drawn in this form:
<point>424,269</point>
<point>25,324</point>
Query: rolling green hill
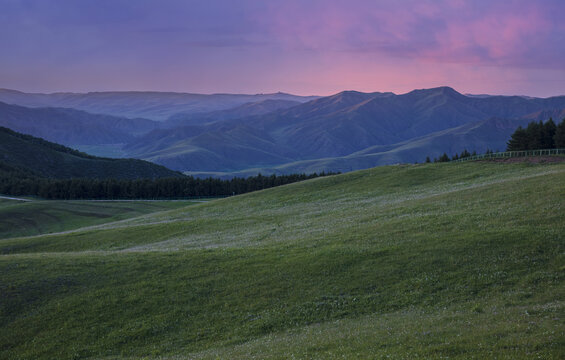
<point>43,158</point>
<point>454,260</point>
<point>19,218</point>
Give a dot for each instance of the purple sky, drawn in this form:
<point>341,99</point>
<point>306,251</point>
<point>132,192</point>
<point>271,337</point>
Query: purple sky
<point>304,47</point>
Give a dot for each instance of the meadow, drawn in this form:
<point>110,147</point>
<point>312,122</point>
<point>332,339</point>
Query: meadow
<point>452,260</point>
<point>36,217</point>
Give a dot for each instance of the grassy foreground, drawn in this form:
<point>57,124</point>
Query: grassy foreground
<point>18,218</point>
<point>422,261</point>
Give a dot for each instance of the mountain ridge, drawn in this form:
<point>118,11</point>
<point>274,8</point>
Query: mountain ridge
<point>152,105</point>
<point>275,134</point>
<point>71,126</point>
<point>348,122</point>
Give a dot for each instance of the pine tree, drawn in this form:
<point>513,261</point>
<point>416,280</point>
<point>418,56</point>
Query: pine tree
<point>534,133</point>
<point>559,137</point>
<point>518,141</point>
<point>444,158</point>
<point>464,154</point>
<point>548,132</point>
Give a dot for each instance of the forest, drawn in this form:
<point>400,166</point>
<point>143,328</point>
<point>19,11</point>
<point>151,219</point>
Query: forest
<point>20,183</point>
<point>538,135</point>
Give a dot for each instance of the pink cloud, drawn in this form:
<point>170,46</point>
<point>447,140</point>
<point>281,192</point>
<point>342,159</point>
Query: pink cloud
<point>448,31</point>
<point>314,46</point>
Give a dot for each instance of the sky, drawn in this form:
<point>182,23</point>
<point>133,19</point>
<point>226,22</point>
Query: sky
<point>306,47</point>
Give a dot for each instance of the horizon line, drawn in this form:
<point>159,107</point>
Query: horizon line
<point>263,93</point>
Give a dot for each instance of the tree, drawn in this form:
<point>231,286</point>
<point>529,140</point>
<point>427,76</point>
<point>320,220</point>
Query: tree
<point>547,134</point>
<point>518,141</point>
<point>537,135</point>
<point>464,154</point>
<point>444,158</point>
<point>534,132</point>
<point>428,159</point>
<point>559,137</point>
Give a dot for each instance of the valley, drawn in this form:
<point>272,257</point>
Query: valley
<point>241,135</point>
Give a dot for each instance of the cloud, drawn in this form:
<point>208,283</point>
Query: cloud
<point>305,46</point>
<point>504,33</point>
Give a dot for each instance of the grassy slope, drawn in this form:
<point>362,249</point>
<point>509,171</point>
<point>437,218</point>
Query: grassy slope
<point>40,217</point>
<point>48,159</point>
<point>434,261</point>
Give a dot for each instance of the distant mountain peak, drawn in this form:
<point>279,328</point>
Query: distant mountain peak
<point>437,90</point>
<point>444,91</point>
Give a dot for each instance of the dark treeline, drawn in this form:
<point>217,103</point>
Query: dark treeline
<point>538,135</point>
<point>445,158</point>
<point>20,184</point>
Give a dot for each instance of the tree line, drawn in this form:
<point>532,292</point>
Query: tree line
<point>445,158</point>
<point>18,183</point>
<point>538,135</point>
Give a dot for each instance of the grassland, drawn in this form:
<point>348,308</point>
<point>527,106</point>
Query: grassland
<point>423,261</point>
<point>19,218</point>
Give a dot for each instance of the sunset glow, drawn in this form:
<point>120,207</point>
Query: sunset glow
<point>303,47</point>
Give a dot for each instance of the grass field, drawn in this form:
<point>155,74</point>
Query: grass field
<point>420,261</point>
<point>19,218</point>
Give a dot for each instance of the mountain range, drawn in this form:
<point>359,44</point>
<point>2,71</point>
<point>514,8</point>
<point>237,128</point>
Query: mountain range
<point>276,133</point>
<point>158,106</point>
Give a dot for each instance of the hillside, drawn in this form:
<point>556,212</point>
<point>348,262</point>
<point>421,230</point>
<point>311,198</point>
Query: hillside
<point>34,217</point>
<point>248,109</point>
<point>458,260</point>
<point>343,126</point>
<point>477,136</point>
<point>39,157</point>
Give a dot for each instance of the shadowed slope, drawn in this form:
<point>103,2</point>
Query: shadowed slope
<point>43,158</point>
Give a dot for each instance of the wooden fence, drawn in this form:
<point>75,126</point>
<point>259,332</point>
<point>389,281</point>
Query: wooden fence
<point>511,154</point>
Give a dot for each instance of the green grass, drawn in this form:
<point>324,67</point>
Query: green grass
<point>428,261</point>
<point>37,217</point>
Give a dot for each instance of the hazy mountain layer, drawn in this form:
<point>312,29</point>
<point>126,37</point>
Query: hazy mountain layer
<point>248,109</point>
<point>70,127</point>
<point>132,104</point>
